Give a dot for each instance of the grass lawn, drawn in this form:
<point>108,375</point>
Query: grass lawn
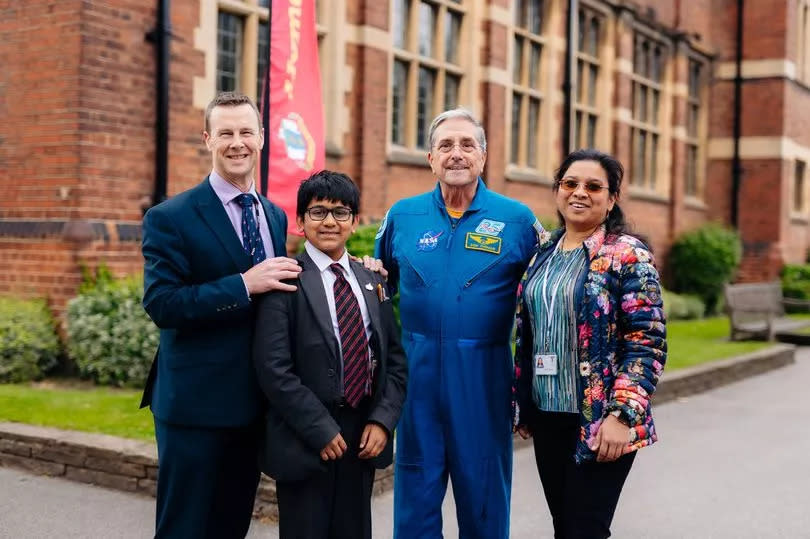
<point>692,342</point>
<point>91,409</point>
<point>81,406</point>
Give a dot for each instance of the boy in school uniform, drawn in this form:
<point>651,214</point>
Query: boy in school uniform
<point>329,360</point>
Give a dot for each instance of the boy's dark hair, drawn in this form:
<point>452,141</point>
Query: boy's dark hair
<point>328,185</point>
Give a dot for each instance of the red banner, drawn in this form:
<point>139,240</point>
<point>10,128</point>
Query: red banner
<point>294,133</point>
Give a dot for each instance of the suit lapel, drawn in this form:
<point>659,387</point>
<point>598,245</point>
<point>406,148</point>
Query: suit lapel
<point>211,210</point>
<point>312,287</point>
<point>278,237</point>
<point>364,277</point>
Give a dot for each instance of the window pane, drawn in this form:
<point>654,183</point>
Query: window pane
<point>578,130</point>
<point>592,78</point>
<point>400,23</point>
<point>656,67</point>
<point>798,187</point>
<point>520,12</point>
<point>653,159</point>
<point>427,28</point>
<point>451,84</point>
<point>691,170</point>
<point>654,106</point>
<point>398,102</point>
<point>535,16</point>
<point>692,121</point>
<point>534,65</point>
<point>534,122</point>
<point>593,37</point>
<point>517,59</point>
<point>642,103</point>
<point>581,22</point>
<point>424,108</point>
<point>638,158</point>
<point>452,29</point>
<point>694,79</point>
<point>261,71</point>
<point>266,3</point>
<point>229,51</point>
<point>581,82</point>
<point>515,150</point>
<point>591,131</point>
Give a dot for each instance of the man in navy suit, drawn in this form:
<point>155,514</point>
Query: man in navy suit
<point>208,252</point>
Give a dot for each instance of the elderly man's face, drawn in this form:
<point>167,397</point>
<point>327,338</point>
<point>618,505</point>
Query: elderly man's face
<point>456,158</point>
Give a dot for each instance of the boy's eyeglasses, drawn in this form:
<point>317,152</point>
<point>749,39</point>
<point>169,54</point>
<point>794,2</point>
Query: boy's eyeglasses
<point>319,213</point>
<point>592,186</point>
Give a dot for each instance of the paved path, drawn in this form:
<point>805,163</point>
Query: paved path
<point>732,463</point>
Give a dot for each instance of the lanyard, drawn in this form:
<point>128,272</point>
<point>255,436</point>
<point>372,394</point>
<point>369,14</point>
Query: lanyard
<point>548,304</point>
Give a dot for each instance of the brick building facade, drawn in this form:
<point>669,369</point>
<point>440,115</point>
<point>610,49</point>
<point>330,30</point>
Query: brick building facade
<point>652,81</point>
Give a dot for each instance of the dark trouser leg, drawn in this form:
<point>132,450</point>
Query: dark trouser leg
<point>335,504</point>
<point>354,479</point>
<point>581,498</point>
<point>206,481</point>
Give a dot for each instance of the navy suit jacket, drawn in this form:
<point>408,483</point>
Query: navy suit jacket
<point>202,374</point>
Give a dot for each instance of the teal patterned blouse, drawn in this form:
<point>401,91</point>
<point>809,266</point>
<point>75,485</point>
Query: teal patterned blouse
<point>550,302</point>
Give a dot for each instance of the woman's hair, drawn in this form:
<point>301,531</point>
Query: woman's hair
<point>615,222</point>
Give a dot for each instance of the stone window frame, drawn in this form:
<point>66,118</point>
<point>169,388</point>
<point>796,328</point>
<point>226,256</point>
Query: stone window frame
<point>526,90</point>
<point>803,41</point>
<point>650,129</point>
<point>252,15</point>
<point>407,131</point>
<point>592,108</point>
<point>696,127</point>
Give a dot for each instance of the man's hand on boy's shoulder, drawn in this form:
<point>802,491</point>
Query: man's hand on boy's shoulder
<point>268,275</point>
<point>373,441</point>
<point>372,264</point>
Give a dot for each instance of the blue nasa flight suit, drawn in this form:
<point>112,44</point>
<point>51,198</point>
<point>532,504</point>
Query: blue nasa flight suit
<point>457,287</point>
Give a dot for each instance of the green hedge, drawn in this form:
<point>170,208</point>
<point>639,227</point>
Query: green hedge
<point>796,283</point>
<point>29,346</point>
<point>702,260</point>
<point>683,306</point>
<point>110,336</point>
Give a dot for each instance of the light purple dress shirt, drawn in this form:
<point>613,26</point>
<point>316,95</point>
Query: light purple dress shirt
<point>227,193</point>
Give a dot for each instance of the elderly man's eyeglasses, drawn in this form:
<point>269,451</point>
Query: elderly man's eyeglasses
<point>319,213</point>
<point>591,186</point>
<point>466,146</point>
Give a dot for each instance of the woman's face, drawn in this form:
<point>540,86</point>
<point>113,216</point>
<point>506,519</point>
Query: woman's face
<point>583,197</point>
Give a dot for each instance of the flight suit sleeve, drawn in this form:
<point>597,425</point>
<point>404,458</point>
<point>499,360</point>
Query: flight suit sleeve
<point>384,250</point>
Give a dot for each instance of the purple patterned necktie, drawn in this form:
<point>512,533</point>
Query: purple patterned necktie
<point>353,340</point>
<point>251,239</point>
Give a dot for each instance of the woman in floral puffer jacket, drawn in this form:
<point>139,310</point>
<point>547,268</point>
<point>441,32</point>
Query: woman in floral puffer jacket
<point>590,348</point>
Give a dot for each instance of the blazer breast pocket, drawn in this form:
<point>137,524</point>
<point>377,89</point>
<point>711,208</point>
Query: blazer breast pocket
<point>284,456</point>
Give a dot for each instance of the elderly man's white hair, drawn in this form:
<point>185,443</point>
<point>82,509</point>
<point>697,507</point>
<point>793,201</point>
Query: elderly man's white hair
<point>480,136</point>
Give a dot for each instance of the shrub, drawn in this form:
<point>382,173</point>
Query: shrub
<point>110,336</point>
<point>683,306</point>
<point>29,346</point>
<point>702,260</point>
<point>796,284</point>
<point>362,241</point>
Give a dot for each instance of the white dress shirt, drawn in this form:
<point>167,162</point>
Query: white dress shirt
<point>323,261</point>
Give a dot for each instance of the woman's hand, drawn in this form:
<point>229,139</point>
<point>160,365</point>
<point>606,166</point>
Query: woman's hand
<point>611,440</point>
<point>524,431</point>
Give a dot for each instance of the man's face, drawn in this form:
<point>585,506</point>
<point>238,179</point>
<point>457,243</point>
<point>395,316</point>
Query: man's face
<point>235,141</point>
<point>456,158</point>
<point>328,235</point>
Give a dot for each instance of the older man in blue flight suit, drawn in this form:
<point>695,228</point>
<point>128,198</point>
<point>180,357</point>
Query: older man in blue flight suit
<point>456,254</point>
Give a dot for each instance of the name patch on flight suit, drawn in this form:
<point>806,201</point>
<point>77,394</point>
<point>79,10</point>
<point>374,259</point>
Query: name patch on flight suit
<point>483,242</point>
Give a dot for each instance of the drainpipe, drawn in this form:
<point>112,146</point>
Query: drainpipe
<point>161,36</point>
<point>570,52</point>
<point>736,166</point>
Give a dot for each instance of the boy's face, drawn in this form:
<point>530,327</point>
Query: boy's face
<point>328,235</point>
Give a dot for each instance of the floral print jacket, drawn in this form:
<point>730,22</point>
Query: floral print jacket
<point>621,337</point>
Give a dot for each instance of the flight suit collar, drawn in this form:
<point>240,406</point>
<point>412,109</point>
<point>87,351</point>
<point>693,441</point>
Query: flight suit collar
<point>478,201</point>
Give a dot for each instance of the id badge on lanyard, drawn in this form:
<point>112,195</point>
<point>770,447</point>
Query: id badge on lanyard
<point>545,364</point>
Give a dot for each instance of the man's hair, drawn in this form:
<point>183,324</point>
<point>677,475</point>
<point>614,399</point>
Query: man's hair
<point>465,114</point>
<point>328,185</point>
<point>230,99</point>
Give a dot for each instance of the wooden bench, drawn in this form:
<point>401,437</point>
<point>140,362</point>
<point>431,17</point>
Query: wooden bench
<point>757,310</point>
